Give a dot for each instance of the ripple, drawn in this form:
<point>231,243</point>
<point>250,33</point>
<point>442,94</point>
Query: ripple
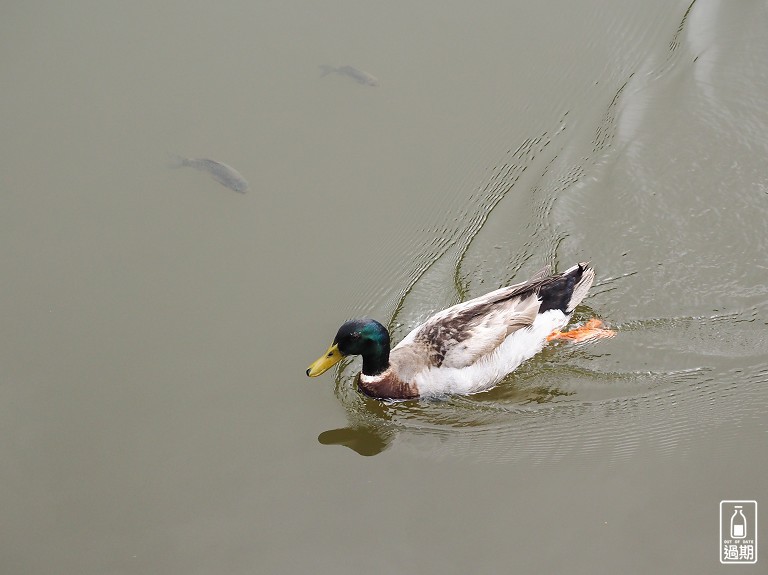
<point>568,402</point>
<point>690,313</point>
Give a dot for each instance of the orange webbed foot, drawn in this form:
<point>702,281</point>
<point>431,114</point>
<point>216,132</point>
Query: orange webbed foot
<point>593,329</point>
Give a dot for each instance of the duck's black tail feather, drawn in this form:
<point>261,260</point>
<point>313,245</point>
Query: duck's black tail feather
<point>566,290</point>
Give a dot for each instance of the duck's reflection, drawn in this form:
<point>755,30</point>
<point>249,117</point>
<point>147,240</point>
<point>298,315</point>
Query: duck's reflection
<point>370,430</point>
<point>365,440</point>
<point>374,424</point>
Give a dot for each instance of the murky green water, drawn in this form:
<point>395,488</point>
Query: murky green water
<point>154,410</point>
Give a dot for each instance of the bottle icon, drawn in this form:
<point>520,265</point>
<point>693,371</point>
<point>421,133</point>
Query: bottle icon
<point>738,523</point>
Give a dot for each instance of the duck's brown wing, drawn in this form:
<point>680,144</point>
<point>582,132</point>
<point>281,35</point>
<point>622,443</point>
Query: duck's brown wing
<point>466,334</point>
<point>462,334</point>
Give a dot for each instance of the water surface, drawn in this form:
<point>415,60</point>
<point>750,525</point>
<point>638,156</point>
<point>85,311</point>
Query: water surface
<point>154,408</point>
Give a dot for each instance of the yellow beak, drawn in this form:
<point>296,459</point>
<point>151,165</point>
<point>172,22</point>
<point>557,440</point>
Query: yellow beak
<point>326,362</point>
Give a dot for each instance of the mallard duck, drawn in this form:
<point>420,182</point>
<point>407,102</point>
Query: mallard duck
<point>468,347</point>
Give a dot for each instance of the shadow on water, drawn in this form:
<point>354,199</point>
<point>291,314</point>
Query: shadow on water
<point>365,441</point>
<point>544,423</point>
<point>374,436</point>
<point>370,431</point>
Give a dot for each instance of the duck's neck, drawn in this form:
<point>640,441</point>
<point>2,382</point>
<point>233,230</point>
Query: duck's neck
<point>376,361</point>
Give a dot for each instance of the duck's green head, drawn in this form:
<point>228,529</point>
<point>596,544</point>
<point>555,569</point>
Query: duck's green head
<point>365,337</point>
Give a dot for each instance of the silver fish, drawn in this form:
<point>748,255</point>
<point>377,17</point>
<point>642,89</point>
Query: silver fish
<point>358,76</point>
<point>222,173</point>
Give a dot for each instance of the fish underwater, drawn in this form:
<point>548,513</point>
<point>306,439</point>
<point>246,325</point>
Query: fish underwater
<point>222,173</point>
<point>358,76</point>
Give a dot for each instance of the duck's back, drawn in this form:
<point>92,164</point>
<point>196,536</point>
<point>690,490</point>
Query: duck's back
<point>469,347</point>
